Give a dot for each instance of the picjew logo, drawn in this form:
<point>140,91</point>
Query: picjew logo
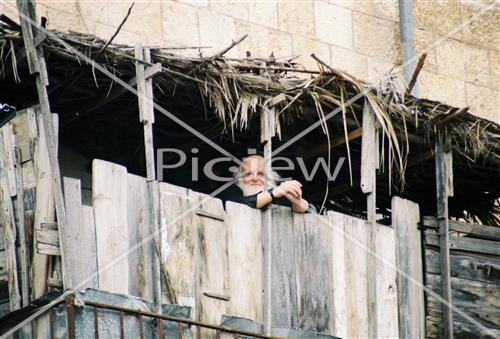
<point>286,164</point>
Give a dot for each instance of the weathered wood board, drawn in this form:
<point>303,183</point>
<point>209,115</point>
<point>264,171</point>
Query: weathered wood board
<point>466,244</point>
<point>356,262</point>
<point>244,227</point>
<point>283,279</point>
<point>177,245</point>
<point>109,195</point>
<point>465,265</point>
<point>211,260</point>
<point>79,239</point>
<point>337,222</point>
<point>140,239</point>
<point>312,253</point>
<point>405,218</point>
<point>387,287</point>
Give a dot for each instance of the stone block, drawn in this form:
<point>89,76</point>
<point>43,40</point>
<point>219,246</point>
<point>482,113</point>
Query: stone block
<point>9,9</point>
<point>263,41</point>
<point>333,24</point>
<point>441,17</point>
<point>375,37</point>
<point>180,24</point>
<point>351,62</point>
<point>450,58</point>
<point>477,67</point>
<point>61,16</point>
<point>197,3</point>
<point>263,13</point>
<point>235,9</point>
<point>296,17</point>
<point>484,102</point>
<point>387,9</point>
<point>305,47</point>
<point>145,10</point>
<point>441,88</point>
<point>482,20</point>
<point>217,31</point>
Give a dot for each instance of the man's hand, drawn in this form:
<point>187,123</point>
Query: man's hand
<point>289,189</point>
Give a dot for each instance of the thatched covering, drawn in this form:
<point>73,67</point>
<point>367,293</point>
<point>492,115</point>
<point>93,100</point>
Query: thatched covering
<point>222,98</point>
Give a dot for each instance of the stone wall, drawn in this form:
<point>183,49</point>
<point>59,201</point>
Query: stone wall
<point>360,37</point>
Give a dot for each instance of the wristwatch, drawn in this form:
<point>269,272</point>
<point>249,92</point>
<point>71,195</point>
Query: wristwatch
<point>270,191</point>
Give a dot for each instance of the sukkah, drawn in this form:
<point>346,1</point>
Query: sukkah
<point>223,98</point>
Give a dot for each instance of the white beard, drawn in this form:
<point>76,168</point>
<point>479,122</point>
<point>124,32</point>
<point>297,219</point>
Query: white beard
<point>249,190</point>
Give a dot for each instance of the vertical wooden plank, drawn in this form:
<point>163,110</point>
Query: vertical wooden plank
<point>155,242</point>
<point>442,191</point>
<point>177,245</point>
<point>8,224</point>
<point>44,207</point>
<point>245,261</point>
<point>387,297</point>
<point>109,196</point>
<point>337,221</point>
<point>284,292</point>
<point>356,261</point>
<point>313,263</point>
<point>140,260</point>
<point>9,157</point>
<point>21,231</point>
<point>369,164</point>
<point>211,262</point>
<point>267,131</point>
<point>78,239</point>
<point>405,218</point>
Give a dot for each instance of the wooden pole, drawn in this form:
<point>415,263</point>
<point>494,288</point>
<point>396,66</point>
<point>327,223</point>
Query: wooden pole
<point>146,114</point>
<point>444,189</point>
<point>369,165</point>
<point>267,132</point>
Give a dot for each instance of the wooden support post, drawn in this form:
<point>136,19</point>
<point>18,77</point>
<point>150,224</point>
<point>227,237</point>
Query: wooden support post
<point>369,165</point>
<point>267,124</point>
<point>146,116</point>
<point>36,63</point>
<point>444,189</point>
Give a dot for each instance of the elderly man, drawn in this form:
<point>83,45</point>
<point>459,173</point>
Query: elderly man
<point>250,180</point>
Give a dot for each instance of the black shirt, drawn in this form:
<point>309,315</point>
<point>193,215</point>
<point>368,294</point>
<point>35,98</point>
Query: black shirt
<point>235,194</point>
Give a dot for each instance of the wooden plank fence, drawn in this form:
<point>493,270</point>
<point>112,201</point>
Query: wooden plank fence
<point>212,258</point>
<point>475,278</point>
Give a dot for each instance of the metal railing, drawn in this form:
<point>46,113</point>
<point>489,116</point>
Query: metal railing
<point>157,332</point>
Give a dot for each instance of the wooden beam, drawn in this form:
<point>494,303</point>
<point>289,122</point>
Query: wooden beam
<point>146,116</point>
<point>369,165</point>
<point>443,169</point>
